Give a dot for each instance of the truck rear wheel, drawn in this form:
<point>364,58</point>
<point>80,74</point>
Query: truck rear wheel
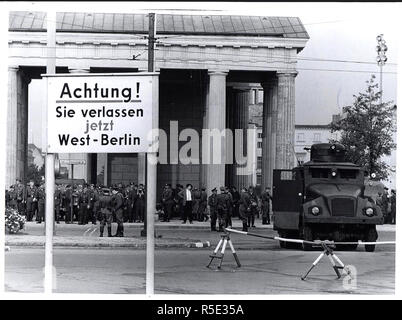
<point>371,236</point>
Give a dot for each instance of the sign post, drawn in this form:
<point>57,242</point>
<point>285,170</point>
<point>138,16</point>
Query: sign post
<point>49,162</point>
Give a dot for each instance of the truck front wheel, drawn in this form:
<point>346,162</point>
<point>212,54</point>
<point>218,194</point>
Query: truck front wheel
<point>371,236</point>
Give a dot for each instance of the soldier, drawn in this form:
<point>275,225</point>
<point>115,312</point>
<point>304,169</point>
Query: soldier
<point>19,190</point>
<point>31,200</point>
<point>178,201</point>
<point>266,198</point>
<point>140,204</point>
<point>67,204</point>
<point>253,208</point>
<point>244,205</point>
<point>223,203</point>
<point>196,203</point>
<point>75,202</point>
<point>230,208</point>
<point>41,204</point>
<point>203,205</point>
<point>167,202</point>
<point>12,198</point>
<point>83,199</point>
<point>384,203</point>
<point>132,197</point>
<point>213,211</point>
<point>106,216</point>
<point>118,203</point>
<point>393,206</point>
<point>236,198</point>
<point>57,203</point>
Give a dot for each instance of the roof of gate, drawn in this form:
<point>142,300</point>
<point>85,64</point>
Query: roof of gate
<point>286,27</point>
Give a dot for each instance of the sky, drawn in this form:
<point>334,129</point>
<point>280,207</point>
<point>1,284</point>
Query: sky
<point>338,31</point>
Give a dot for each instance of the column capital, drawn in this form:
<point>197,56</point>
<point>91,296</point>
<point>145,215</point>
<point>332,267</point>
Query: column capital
<point>286,73</point>
<point>79,70</point>
<point>218,72</point>
<point>13,68</point>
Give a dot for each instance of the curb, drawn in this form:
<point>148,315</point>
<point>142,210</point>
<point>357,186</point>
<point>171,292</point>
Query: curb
<point>69,243</point>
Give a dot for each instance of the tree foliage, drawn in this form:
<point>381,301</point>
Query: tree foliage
<point>35,174</point>
<point>367,128</point>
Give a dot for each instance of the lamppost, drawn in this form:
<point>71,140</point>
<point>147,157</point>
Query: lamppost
<point>381,57</point>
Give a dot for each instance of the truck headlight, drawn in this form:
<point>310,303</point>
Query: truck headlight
<point>369,212</point>
<point>315,211</point>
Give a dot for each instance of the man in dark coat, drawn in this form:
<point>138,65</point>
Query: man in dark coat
<point>266,198</point>
<point>213,211</point>
<point>118,204</point>
<point>244,207</point>
<point>167,202</point>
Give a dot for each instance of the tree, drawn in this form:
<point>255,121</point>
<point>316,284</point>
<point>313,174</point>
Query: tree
<point>366,130</point>
<point>34,173</point>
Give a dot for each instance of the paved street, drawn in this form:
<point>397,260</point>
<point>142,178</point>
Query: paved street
<point>266,269</point>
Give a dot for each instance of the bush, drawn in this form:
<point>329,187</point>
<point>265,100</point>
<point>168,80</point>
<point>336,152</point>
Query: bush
<point>14,221</point>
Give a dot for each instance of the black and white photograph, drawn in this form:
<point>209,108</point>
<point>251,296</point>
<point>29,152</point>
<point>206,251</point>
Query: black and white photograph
<point>199,149</point>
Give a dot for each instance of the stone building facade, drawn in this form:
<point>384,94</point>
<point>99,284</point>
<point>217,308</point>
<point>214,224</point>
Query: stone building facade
<point>206,66</point>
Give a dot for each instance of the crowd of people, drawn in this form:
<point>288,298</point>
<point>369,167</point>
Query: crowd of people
<point>191,203</point>
<point>387,203</point>
<point>89,203</point>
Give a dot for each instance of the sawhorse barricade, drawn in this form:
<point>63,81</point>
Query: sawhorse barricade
<point>225,239</point>
<point>327,247</point>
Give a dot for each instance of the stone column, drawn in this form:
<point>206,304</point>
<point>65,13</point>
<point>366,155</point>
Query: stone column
<point>87,157</point>
<point>216,119</point>
<point>285,154</point>
<point>17,126</point>
<point>269,131</point>
<point>241,100</point>
<point>141,168</point>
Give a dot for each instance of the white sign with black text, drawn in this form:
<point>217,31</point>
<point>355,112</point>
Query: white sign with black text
<point>92,113</point>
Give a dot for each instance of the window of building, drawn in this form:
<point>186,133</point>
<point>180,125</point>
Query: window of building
<point>259,135</point>
<point>259,179</point>
<point>259,145</point>
<point>300,137</point>
<point>317,137</point>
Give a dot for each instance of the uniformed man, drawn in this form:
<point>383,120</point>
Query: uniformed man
<point>393,206</point>
<point>12,198</point>
<point>167,202</point>
<point>132,197</point>
<point>223,203</point>
<point>57,204</point>
<point>31,200</point>
<point>76,202</point>
<point>203,205</point>
<point>106,215</point>
<point>244,205</point>
<point>118,203</point>
<point>236,198</point>
<point>253,207</point>
<point>230,208</point>
<point>196,203</point>
<point>266,198</point>
<point>19,190</point>
<point>83,198</point>
<point>140,204</point>
<point>213,211</point>
<point>67,203</point>
<point>384,203</point>
<point>41,204</point>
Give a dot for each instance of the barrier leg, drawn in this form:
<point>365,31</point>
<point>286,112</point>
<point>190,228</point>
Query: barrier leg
<point>336,268</point>
<point>313,265</point>
<point>234,253</point>
<point>225,242</point>
<point>213,255</point>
